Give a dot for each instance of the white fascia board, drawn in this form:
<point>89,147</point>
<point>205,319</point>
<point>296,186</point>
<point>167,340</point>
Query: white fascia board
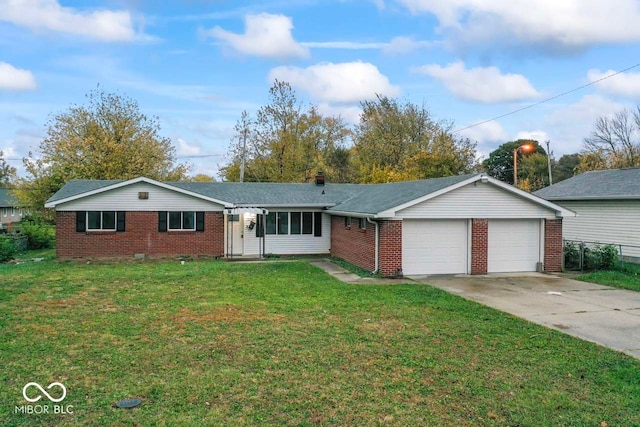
<point>135,181</point>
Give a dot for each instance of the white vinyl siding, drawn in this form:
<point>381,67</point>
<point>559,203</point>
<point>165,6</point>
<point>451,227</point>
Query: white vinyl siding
<point>288,244</point>
<point>126,199</point>
<point>477,200</point>
<point>434,247</point>
<point>514,245</point>
<point>613,221</point>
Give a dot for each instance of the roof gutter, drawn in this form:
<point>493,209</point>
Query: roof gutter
<point>352,214</point>
<point>377,244</point>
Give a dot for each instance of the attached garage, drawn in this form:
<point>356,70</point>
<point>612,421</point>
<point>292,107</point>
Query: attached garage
<point>437,246</point>
<point>513,245</point>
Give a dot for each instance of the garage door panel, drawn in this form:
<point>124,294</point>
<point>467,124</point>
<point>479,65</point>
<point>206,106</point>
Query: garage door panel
<point>434,246</point>
<point>514,245</point>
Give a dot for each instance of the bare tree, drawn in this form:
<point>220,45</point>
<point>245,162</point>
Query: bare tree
<point>615,141</point>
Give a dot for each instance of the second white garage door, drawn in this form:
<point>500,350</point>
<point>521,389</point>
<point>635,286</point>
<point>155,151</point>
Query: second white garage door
<point>434,246</point>
<point>514,245</point>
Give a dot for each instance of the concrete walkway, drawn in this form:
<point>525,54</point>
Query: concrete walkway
<point>601,314</point>
<point>349,277</point>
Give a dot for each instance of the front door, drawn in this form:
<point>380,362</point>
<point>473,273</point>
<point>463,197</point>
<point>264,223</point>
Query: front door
<point>235,235</point>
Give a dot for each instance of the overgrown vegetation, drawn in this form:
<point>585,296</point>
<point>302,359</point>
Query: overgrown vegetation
<point>39,235</point>
<point>7,249</point>
<point>215,343</point>
<point>578,256</point>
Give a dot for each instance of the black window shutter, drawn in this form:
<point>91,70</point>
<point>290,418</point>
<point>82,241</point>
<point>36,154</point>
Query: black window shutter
<point>81,221</point>
<point>317,224</point>
<point>162,221</point>
<point>260,226</point>
<point>199,221</point>
<point>120,221</point>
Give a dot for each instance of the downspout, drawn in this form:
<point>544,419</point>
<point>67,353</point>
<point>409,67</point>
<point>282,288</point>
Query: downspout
<point>377,244</point>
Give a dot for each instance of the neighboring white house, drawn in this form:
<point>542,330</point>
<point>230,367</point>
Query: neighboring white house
<point>608,206</point>
<point>10,213</point>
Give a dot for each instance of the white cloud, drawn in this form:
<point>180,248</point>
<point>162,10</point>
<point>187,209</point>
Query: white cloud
<point>535,135</point>
<point>344,82</point>
<point>486,133</point>
<point>345,45</point>
<point>12,78</point>
<point>567,127</point>
<point>48,15</point>
<point>623,84</point>
<point>482,84</point>
<point>350,113</point>
<point>566,24</point>
<point>185,149</point>
<point>402,45</point>
<point>265,35</point>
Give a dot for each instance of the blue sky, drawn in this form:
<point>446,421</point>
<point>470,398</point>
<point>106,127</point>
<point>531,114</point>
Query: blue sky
<point>197,64</point>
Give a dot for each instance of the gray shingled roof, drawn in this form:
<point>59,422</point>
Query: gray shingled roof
<point>79,186</point>
<point>356,198</point>
<point>596,185</point>
<point>374,198</point>
<point>6,199</point>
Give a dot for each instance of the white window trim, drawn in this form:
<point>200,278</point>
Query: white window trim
<point>115,222</point>
<point>181,221</point>
<point>363,224</point>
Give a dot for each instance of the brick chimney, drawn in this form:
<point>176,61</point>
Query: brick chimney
<point>320,178</point>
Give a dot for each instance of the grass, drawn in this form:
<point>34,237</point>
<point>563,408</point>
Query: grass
<point>627,277</point>
<point>215,343</point>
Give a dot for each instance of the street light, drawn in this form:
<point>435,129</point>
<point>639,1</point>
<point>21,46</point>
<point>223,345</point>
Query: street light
<point>525,149</point>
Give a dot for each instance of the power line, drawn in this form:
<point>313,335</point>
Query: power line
<point>547,99</point>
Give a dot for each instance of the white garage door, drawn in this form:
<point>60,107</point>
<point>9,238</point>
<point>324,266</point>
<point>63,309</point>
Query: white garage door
<point>514,245</point>
<point>434,246</point>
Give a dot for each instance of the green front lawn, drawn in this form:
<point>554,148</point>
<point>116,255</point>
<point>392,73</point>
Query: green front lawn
<point>627,277</point>
<point>215,343</point>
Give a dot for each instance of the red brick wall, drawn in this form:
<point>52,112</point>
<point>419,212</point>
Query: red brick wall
<point>352,244</point>
<point>390,248</point>
<point>141,237</point>
<point>553,245</point>
<point>479,245</point>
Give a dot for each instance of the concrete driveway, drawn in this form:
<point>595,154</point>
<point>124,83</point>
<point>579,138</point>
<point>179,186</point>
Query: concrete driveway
<point>601,314</point>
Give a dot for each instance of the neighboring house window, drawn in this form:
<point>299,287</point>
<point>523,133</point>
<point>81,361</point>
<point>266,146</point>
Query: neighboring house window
<point>100,221</point>
<point>180,221</point>
<point>363,223</point>
<point>13,211</point>
<point>347,221</point>
<point>4,211</point>
<point>290,223</point>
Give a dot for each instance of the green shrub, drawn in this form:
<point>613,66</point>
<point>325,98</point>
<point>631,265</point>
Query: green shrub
<point>7,249</point>
<point>39,236</point>
<point>571,255</point>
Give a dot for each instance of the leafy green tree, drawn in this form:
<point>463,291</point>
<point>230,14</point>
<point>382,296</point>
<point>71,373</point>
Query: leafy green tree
<point>201,177</point>
<point>499,164</point>
<point>397,141</point>
<point>287,142</point>
<point>109,138</point>
<point>7,172</point>
<point>566,167</point>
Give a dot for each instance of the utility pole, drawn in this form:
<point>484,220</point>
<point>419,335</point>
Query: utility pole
<point>244,152</point>
<point>549,162</point>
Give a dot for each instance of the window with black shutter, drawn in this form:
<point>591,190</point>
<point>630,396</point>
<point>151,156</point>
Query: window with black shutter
<point>81,221</point>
